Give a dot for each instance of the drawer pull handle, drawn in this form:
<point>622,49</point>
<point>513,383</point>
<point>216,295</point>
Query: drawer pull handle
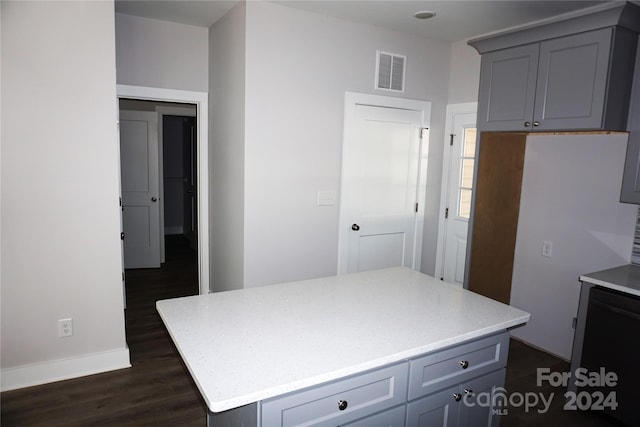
<point>342,405</point>
<point>457,396</point>
<point>464,364</point>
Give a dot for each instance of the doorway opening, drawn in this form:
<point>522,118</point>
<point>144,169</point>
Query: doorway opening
<point>158,157</point>
<point>455,197</point>
<point>180,99</point>
<point>158,178</point>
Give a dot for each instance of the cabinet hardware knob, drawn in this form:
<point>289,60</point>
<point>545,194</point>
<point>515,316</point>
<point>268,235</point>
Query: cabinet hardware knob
<point>457,397</point>
<point>464,364</point>
<point>342,405</point>
<point>527,124</point>
<point>154,199</point>
<point>536,123</point>
<point>468,391</point>
<point>355,227</point>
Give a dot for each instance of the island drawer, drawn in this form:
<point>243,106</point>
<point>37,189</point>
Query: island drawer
<point>389,418</point>
<point>445,368</point>
<point>339,402</point>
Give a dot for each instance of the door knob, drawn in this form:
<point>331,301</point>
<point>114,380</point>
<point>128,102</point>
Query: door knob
<point>153,199</point>
<point>355,227</point>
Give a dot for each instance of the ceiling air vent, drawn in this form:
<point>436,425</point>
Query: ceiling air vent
<point>390,71</point>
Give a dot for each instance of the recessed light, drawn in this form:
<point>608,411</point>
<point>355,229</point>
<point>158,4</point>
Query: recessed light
<point>424,14</point>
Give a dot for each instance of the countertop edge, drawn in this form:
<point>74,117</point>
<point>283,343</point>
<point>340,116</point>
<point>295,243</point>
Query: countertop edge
<point>610,285</point>
<point>228,404</point>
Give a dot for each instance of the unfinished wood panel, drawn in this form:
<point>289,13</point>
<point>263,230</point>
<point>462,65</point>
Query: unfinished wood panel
<point>495,221</point>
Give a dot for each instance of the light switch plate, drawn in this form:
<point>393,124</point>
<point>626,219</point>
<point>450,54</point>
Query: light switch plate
<point>326,198</point>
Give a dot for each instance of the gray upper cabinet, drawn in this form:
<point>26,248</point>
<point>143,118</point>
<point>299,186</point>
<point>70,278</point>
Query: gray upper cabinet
<point>575,82</point>
<point>508,88</point>
<point>630,192</point>
<point>566,74</point>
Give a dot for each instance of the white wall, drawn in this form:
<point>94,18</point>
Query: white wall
<point>161,54</point>
<point>464,80</point>
<point>60,220</point>
<point>227,168</point>
<point>570,192</point>
<point>298,67</point>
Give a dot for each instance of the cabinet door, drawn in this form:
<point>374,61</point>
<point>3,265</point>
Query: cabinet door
<point>436,410</point>
<point>507,88</point>
<point>479,396</point>
<point>572,81</point>
<point>630,192</point>
<point>391,418</point>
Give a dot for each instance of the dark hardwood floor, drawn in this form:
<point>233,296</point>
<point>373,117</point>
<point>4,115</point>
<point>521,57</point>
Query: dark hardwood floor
<point>521,380</point>
<point>158,391</point>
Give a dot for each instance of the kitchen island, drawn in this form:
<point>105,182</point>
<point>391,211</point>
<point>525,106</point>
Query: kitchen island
<point>378,346</point>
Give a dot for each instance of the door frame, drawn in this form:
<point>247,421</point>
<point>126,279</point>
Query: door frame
<point>201,101</point>
<point>452,110</point>
<point>351,100</point>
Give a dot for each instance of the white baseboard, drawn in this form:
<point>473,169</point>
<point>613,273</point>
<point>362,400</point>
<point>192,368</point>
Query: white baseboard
<point>63,369</point>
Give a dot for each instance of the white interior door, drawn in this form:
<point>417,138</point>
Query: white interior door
<point>456,192</point>
<point>140,188</point>
<point>382,187</point>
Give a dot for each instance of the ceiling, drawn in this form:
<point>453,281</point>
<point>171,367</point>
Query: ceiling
<point>454,20</point>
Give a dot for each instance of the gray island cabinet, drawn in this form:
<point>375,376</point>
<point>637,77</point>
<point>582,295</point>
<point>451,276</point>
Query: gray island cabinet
<point>391,347</point>
<point>566,75</point>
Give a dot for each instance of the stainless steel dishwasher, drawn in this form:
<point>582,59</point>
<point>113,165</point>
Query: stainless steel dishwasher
<point>611,343</point>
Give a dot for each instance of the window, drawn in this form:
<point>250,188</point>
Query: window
<point>467,165</point>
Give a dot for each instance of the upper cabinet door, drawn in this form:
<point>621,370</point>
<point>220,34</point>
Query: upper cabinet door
<point>507,88</point>
<point>572,81</point>
<point>577,82</point>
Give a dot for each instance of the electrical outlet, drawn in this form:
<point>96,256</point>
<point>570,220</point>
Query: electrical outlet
<point>547,248</point>
<point>65,327</point>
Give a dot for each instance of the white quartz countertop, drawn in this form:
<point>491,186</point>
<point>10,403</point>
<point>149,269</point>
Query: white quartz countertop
<point>625,278</point>
<point>252,344</point>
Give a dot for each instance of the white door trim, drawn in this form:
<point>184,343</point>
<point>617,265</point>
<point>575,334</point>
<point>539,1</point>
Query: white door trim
<point>351,99</point>
<point>452,111</point>
<point>201,100</point>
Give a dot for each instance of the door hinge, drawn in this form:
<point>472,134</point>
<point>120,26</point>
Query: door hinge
<point>122,235</point>
<point>417,205</point>
<point>446,213</point>
<point>120,201</point>
<point>451,140</point>
<point>123,276</point>
<point>422,130</point>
